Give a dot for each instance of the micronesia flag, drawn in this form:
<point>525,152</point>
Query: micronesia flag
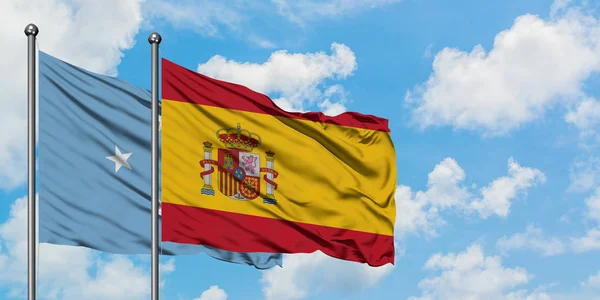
<point>94,166</point>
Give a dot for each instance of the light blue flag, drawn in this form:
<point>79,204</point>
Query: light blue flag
<point>94,166</point>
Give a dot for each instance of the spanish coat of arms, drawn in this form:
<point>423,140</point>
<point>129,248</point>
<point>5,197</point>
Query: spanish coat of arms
<point>239,170</point>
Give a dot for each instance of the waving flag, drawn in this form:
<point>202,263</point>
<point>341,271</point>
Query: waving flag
<point>94,166</point>
<point>243,175</point>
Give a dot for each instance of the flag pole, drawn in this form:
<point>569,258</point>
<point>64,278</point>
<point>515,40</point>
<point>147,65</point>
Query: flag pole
<point>31,32</point>
<point>154,39</point>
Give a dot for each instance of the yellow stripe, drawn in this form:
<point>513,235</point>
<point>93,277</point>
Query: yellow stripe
<point>329,175</point>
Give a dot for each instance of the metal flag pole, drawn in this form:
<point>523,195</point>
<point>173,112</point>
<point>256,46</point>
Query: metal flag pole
<point>31,32</point>
<point>154,40</point>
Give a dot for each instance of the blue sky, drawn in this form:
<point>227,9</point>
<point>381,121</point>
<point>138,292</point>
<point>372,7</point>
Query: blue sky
<point>493,110</point>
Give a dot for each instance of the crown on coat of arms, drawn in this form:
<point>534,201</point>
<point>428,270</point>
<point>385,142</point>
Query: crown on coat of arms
<point>238,138</point>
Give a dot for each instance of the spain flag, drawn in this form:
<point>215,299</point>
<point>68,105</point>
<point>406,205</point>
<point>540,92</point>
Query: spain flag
<point>241,174</point>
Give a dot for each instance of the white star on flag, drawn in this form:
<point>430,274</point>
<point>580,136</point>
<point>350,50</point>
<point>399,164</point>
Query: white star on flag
<point>120,159</point>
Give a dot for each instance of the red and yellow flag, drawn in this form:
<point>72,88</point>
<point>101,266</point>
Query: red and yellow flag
<point>240,174</point>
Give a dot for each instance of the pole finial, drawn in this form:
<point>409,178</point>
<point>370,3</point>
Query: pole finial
<point>154,38</point>
<point>31,29</point>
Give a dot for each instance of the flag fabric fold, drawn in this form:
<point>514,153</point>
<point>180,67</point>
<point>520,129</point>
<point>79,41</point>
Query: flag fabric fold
<point>94,166</point>
<point>241,174</point>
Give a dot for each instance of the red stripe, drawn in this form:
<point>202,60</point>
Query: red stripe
<point>244,233</point>
<point>220,181</point>
<point>235,185</point>
<point>230,184</point>
<point>226,184</point>
<point>181,84</point>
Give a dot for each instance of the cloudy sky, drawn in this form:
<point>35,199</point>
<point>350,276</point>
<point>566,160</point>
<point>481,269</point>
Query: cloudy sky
<point>494,112</point>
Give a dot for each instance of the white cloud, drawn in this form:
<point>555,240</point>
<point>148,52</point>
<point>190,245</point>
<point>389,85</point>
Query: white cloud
<point>301,11</point>
<point>71,30</point>
<point>214,18</point>
<point>471,275</point>
<point>204,16</point>
<point>532,66</point>
<point>261,42</point>
<point>593,282</point>
<point>443,185</point>
<point>67,272</point>
<point>586,114</point>
<point>331,109</point>
<point>589,242</point>
<point>213,293</point>
<point>420,211</point>
<point>532,239</point>
<point>559,6</point>
<point>585,175</point>
<point>496,196</point>
<point>593,206</point>
<point>118,278</point>
<point>210,17</point>
<point>306,274</point>
<point>415,214</point>
<point>296,78</point>
<point>335,98</point>
<point>524,295</point>
<point>428,51</point>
